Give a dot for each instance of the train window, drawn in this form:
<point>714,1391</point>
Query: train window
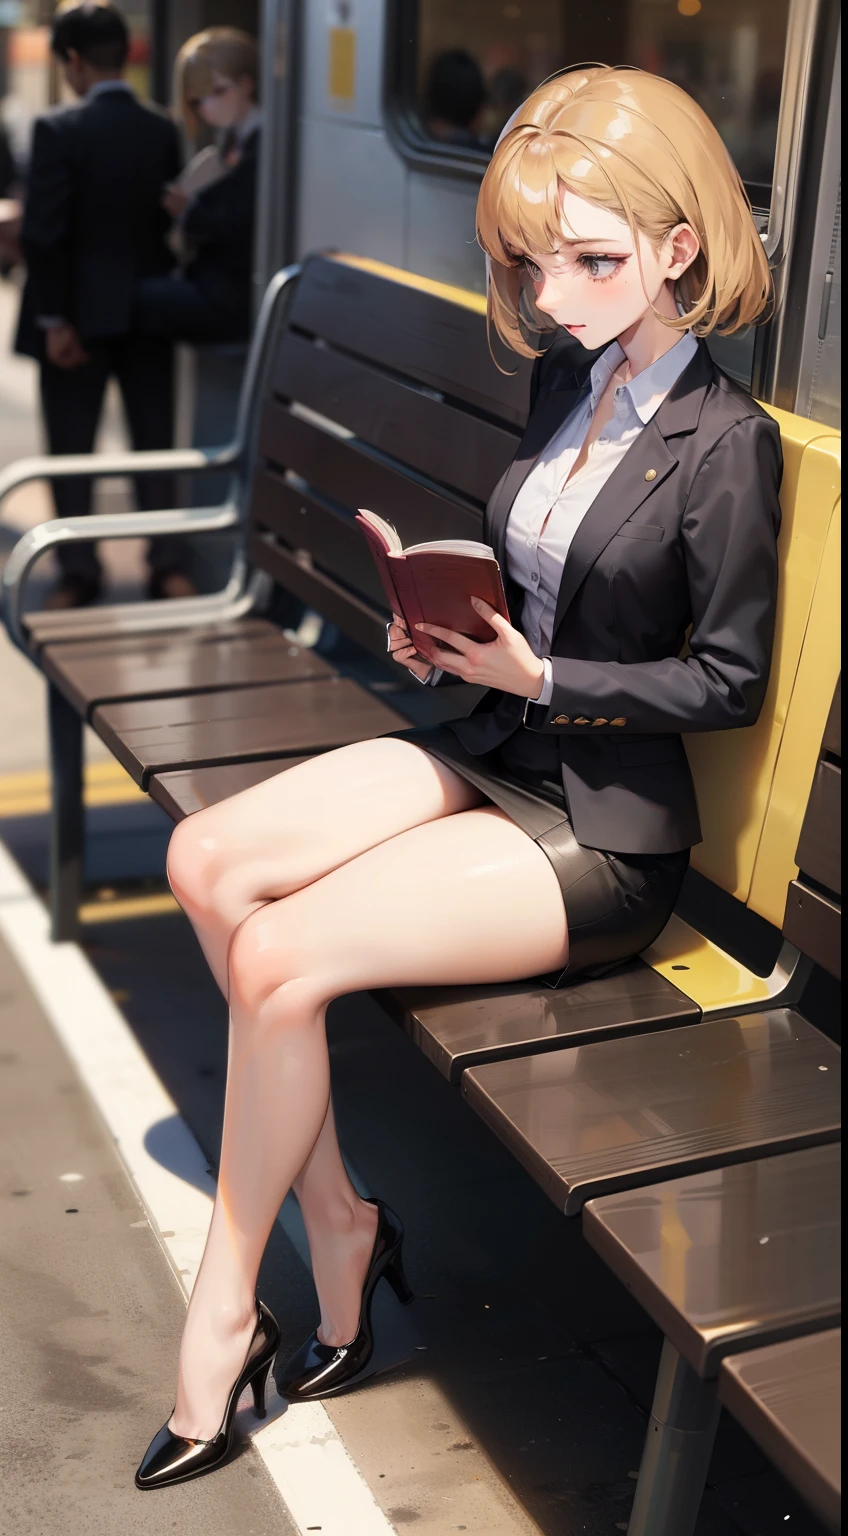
<point>462,66</point>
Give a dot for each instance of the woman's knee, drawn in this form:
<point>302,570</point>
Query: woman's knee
<point>271,974</point>
<point>195,863</point>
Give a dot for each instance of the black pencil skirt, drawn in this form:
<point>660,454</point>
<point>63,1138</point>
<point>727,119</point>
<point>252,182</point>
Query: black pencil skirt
<point>616,904</point>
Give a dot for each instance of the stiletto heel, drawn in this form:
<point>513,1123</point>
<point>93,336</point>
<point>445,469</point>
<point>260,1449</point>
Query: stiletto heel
<point>171,1458</point>
<point>258,1387</point>
<point>394,1273</point>
<point>320,1370</point>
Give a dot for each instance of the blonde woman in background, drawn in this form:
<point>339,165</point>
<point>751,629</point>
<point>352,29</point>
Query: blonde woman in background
<point>213,203</point>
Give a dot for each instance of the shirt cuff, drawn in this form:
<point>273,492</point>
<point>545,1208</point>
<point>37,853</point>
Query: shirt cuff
<point>547,692</point>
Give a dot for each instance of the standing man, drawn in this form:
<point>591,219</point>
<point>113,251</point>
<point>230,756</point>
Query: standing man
<point>93,228</point>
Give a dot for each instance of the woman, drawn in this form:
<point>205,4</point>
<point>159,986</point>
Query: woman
<point>547,833</point>
<point>210,300</point>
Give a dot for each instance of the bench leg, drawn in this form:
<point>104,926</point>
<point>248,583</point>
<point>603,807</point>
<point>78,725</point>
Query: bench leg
<point>678,1446</point>
<point>67,827</point>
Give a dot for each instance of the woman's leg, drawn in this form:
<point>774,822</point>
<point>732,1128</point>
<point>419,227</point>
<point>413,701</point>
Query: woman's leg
<point>224,863</point>
<point>465,898</point>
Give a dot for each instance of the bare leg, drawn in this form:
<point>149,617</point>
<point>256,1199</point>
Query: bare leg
<point>224,863</point>
<point>487,908</point>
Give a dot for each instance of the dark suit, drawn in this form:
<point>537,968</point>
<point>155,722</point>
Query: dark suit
<point>211,301</point>
<point>683,537</point>
<point>93,227</point>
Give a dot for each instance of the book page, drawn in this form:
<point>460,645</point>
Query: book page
<point>390,534</point>
<point>453,547</point>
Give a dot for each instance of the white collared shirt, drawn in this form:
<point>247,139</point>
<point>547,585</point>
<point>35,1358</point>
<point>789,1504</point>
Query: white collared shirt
<point>549,507</point>
<point>100,87</point>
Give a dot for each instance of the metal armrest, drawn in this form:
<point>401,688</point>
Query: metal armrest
<point>100,465</point>
<point>122,525</point>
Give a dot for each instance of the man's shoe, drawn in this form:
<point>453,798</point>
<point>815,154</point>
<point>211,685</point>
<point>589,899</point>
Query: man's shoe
<point>170,584</point>
<point>73,591</point>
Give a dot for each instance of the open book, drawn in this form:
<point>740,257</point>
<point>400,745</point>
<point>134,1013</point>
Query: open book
<point>434,583</point>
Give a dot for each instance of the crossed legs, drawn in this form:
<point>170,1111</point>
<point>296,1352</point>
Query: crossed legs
<point>373,866</point>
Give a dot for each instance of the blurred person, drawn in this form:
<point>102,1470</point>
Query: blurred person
<point>214,206</point>
<point>454,97</point>
<point>93,226</point>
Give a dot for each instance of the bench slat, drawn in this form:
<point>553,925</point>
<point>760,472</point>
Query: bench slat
<point>445,443</point>
<point>349,476</point>
<point>462,1027</point>
<point>241,655</point>
<point>731,1258</point>
<point>159,735</point>
<point>188,790</point>
<point>819,849</point>
<point>304,522</point>
<point>413,332</point>
<point>354,616</point>
<point>814,925</point>
<point>605,1117</point>
<point>789,1399</point>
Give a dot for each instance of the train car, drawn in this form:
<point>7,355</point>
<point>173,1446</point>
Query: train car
<point>382,114</point>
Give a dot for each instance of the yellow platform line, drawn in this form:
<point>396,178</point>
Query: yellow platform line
<point>28,794</point>
<point>156,904</point>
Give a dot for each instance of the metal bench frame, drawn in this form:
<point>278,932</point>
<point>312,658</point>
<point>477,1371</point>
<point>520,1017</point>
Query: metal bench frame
<point>243,593</point>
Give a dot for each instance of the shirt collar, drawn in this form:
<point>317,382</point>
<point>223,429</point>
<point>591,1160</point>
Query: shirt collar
<point>248,125</point>
<point>646,392</point>
<point>100,88</point>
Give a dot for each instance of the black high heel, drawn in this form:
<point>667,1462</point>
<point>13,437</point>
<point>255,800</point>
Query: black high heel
<point>170,1458</point>
<point>320,1370</point>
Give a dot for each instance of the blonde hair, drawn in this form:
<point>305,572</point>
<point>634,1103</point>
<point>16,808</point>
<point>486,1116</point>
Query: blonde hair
<point>219,50</point>
<point>640,147</point>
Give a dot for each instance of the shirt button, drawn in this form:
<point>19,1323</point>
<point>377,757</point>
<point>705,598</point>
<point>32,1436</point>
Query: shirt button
<point>602,441</point>
<point>534,577</point>
<point>531,543</point>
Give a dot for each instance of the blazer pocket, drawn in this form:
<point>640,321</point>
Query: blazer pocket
<point>649,754</point>
<point>649,531</point>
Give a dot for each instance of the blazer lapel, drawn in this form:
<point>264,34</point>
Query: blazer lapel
<point>644,467</point>
<point>647,463</point>
<point>548,417</point>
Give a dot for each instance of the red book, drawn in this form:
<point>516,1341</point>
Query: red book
<point>434,583</point>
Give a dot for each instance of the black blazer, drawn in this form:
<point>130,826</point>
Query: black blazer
<point>93,223</point>
<point>682,538</point>
<point>219,224</point>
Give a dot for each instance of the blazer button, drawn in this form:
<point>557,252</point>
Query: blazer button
<point>581,720</point>
<point>561,720</point>
<point>600,722</point>
<point>620,720</point>
<point>650,474</point>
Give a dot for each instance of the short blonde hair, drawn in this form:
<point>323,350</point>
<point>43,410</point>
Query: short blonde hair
<point>640,147</point>
<point>219,50</point>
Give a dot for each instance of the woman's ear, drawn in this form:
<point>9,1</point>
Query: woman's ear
<point>681,247</point>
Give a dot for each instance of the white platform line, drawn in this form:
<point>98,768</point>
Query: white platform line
<point>300,1446</point>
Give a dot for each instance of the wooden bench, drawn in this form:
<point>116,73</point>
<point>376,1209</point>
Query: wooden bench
<point>371,387</point>
<point>723,1261</point>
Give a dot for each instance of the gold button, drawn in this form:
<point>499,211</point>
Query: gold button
<point>600,722</point>
<point>561,720</point>
<point>620,720</point>
<point>581,720</point>
<point>650,474</point>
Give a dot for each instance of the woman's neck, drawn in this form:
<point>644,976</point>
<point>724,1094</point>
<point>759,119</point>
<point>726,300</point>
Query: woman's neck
<point>649,339</point>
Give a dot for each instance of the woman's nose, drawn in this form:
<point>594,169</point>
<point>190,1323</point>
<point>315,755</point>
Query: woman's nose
<point>546,296</point>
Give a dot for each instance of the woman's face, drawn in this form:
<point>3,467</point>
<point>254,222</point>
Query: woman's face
<point>592,285</point>
<point>227,102</point>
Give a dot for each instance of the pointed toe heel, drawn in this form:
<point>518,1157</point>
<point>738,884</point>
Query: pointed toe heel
<point>321,1370</point>
<point>171,1458</point>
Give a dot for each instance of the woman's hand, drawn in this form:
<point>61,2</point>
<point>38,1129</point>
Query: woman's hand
<point>401,649</point>
<point>506,663</point>
<point>175,200</point>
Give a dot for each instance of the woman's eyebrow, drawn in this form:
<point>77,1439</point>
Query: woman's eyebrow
<point>592,240</point>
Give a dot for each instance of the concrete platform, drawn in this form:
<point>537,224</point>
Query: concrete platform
<point>90,1317</point>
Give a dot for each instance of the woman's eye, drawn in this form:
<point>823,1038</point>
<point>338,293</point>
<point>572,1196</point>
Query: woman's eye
<point>601,266</point>
<point>535,272</point>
